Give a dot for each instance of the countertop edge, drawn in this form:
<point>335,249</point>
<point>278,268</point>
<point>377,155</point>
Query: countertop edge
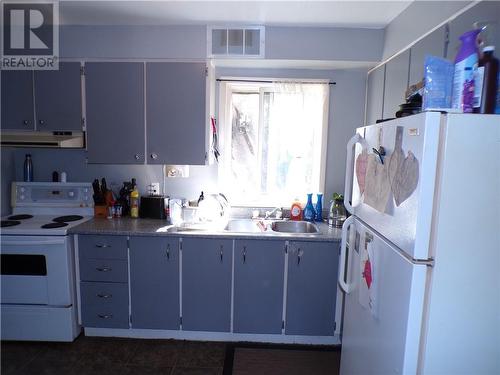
<point>157,228</point>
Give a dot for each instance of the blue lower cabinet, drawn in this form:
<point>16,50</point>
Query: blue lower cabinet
<point>104,305</point>
<point>312,288</point>
<point>154,282</point>
<point>206,284</point>
<point>258,286</point>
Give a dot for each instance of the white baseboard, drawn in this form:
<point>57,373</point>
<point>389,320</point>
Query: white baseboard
<point>211,336</point>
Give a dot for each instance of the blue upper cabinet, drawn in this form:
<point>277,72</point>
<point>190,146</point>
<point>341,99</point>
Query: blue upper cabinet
<point>17,100</point>
<point>312,288</point>
<point>58,96</point>
<point>259,267</point>
<point>115,112</point>
<point>396,83</point>
<point>375,95</point>
<point>176,112</point>
<point>433,44</point>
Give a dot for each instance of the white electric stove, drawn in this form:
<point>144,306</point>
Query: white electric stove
<point>38,300</point>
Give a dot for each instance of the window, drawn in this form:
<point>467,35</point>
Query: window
<point>273,141</point>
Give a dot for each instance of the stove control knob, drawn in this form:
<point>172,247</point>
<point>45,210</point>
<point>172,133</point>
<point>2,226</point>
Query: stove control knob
<point>85,197</point>
<point>22,189</point>
<point>71,194</point>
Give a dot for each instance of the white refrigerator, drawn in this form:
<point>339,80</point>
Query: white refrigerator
<point>420,255</point>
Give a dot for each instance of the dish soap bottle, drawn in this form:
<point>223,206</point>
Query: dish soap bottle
<point>309,212</point>
<point>296,210</point>
<point>319,207</point>
<point>134,202</point>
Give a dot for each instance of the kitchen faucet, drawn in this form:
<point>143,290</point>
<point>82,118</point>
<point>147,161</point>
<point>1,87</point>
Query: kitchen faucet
<point>278,213</point>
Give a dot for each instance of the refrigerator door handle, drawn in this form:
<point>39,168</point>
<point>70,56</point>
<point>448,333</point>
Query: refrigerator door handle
<point>349,169</point>
<point>345,286</point>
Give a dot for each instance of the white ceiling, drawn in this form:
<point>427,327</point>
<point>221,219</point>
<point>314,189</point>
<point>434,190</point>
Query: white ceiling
<point>353,13</point>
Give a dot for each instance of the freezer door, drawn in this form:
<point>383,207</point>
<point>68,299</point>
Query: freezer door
<point>382,322</point>
<point>400,207</point>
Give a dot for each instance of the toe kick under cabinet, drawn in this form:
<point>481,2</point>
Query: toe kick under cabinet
<point>217,285</point>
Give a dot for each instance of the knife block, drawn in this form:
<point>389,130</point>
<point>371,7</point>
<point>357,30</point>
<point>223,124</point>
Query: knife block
<point>101,211</point>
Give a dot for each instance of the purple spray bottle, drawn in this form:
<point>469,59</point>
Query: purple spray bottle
<point>465,63</point>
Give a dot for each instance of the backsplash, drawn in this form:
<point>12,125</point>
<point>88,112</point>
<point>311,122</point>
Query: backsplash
<point>73,162</point>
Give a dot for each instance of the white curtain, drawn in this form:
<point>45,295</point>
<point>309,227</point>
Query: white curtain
<point>296,115</point>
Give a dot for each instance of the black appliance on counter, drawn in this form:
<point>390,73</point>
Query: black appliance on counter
<point>153,207</point>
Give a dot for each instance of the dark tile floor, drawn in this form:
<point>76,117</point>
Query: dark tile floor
<point>106,356</point>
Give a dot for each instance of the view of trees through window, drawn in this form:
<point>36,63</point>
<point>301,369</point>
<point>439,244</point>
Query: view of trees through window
<point>276,141</point>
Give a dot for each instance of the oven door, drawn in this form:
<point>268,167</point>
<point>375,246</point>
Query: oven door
<point>36,270</point>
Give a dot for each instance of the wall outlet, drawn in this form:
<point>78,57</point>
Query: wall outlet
<point>154,188</point>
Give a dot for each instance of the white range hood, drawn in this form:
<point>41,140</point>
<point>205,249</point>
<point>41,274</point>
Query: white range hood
<point>56,139</point>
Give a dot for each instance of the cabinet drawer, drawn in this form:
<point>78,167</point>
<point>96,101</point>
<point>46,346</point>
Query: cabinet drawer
<point>104,305</point>
<point>111,270</point>
<point>102,247</point>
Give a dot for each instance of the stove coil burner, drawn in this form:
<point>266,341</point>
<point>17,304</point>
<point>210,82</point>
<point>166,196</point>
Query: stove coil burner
<point>9,223</point>
<point>67,218</point>
<point>53,225</point>
<point>20,217</point>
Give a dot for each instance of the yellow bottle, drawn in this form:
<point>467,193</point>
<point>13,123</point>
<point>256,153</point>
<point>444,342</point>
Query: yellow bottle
<point>134,203</point>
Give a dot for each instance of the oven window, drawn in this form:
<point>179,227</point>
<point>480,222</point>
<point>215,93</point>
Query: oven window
<point>26,265</point>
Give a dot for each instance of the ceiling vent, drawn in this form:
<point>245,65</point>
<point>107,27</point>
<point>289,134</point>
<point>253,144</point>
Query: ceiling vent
<point>236,42</point>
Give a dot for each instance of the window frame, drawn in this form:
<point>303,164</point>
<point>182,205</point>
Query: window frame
<point>257,85</point>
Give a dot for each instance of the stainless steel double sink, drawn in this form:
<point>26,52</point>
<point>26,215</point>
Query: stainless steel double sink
<point>254,226</point>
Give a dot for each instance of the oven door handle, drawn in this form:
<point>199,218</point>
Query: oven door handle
<point>36,242</point>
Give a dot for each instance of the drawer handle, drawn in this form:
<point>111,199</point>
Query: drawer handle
<point>103,269</point>
<point>102,245</point>
<point>105,316</point>
<point>100,295</point>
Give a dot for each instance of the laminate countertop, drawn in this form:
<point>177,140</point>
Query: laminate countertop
<point>151,227</point>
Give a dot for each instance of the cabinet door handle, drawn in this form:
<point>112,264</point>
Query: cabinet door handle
<point>103,269</point>
<point>102,245</point>
<point>154,156</point>
<point>299,256</point>
<point>105,316</point>
<point>168,252</point>
<point>101,295</point>
<point>26,122</point>
<point>244,254</point>
<point>221,252</point>
<point>137,156</point>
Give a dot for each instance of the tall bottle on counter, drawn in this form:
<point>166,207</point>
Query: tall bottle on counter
<point>309,213</point>
<point>134,201</point>
<point>28,169</point>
